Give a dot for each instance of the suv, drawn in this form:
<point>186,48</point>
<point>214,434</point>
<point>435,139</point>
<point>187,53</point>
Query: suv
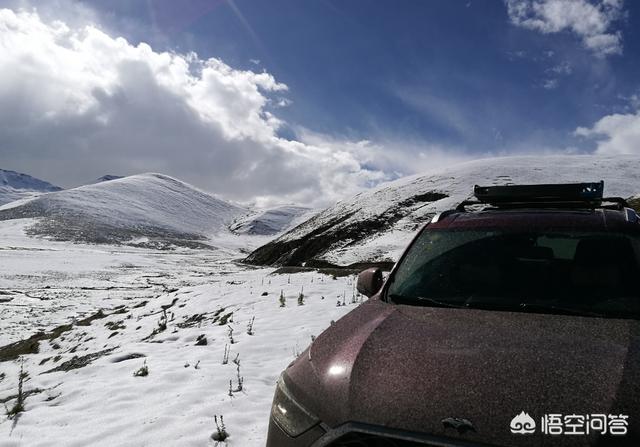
<point>511,320</point>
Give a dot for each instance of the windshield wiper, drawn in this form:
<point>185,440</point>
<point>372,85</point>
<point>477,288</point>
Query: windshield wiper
<point>550,308</point>
<point>425,301</point>
<point>513,307</point>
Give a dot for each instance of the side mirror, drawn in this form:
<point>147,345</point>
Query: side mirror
<point>370,281</point>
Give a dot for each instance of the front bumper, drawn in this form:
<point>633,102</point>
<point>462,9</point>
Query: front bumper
<point>360,435</point>
<point>276,437</point>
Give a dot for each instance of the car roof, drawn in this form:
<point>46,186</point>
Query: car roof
<point>598,219</point>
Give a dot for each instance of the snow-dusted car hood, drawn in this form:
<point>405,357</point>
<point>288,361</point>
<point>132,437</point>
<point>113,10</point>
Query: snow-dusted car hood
<point>411,367</point>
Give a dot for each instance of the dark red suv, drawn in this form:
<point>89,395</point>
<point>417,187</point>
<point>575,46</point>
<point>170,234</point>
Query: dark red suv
<point>511,321</point>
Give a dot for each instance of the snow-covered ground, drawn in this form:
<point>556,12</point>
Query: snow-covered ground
<point>81,389</point>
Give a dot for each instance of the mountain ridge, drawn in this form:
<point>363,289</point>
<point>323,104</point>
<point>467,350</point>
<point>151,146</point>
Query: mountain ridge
<point>17,185</point>
<point>374,226</point>
<point>148,209</point>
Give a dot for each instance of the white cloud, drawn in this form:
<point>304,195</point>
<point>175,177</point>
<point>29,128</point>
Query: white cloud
<point>76,103</point>
<point>563,68</point>
<point>615,134</point>
<point>591,21</point>
<point>389,159</point>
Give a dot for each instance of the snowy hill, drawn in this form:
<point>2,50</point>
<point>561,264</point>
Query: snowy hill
<point>375,226</point>
<point>106,178</point>
<point>272,221</point>
<point>15,186</point>
<point>146,209</point>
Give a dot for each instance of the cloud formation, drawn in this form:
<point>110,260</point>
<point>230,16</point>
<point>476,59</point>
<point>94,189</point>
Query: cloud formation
<point>616,134</point>
<point>78,103</point>
<point>590,21</point>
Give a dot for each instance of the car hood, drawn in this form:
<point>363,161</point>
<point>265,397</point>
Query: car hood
<point>410,367</point>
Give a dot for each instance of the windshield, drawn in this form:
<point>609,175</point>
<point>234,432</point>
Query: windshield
<point>582,273</point>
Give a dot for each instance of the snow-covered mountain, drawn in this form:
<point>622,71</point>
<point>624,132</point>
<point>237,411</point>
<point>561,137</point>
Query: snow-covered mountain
<point>145,209</point>
<point>106,178</point>
<point>271,221</point>
<point>376,225</point>
<point>15,186</point>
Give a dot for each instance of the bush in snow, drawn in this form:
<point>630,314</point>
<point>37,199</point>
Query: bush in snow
<point>162,323</point>
<point>221,433</point>
<point>225,357</point>
<point>143,371</point>
<point>18,406</point>
<point>250,326</point>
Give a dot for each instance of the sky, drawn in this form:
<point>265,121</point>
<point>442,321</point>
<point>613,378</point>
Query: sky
<point>307,102</point>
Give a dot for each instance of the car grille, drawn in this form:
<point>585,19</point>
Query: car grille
<point>369,440</point>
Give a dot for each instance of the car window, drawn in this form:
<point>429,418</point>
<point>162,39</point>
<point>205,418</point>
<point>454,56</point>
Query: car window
<point>581,271</point>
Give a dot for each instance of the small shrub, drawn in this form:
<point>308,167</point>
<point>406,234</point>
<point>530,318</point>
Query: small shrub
<point>18,406</point>
<point>225,357</point>
<point>143,371</point>
<point>221,433</point>
<point>240,384</point>
<point>231,339</point>
<point>162,323</point>
<point>239,378</point>
<point>250,326</point>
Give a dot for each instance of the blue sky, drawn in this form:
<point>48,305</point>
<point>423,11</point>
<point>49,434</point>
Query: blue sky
<point>358,91</point>
<point>453,72</point>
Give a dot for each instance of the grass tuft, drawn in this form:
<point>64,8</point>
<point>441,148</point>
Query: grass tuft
<point>18,406</point>
<point>143,371</point>
<point>221,434</point>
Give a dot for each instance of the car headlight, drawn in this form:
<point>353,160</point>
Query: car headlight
<point>289,414</point>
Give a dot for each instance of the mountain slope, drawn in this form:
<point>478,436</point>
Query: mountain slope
<point>376,225</point>
<point>145,209</point>
<point>272,220</point>
<point>15,186</point>
<point>107,178</point>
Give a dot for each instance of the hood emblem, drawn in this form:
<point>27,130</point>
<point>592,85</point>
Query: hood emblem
<point>460,424</point>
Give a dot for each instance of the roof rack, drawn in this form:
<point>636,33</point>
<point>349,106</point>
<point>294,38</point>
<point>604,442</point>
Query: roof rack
<point>565,195</point>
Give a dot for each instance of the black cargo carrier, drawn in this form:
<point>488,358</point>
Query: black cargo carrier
<point>562,195</point>
<point>566,192</point>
